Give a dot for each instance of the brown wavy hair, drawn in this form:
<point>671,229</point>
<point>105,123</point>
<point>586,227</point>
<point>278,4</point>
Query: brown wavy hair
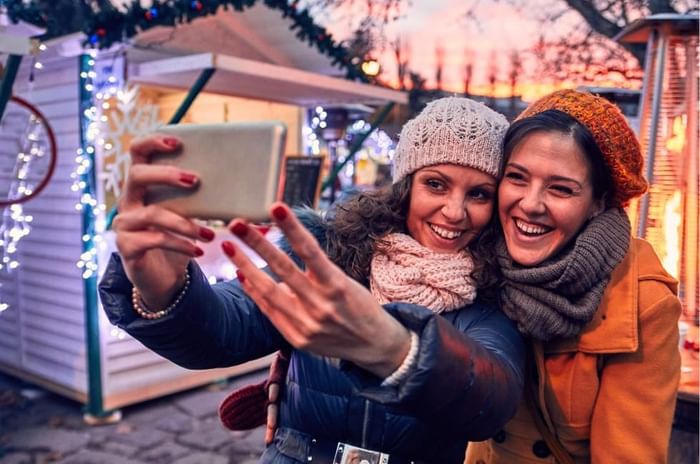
<point>359,224</point>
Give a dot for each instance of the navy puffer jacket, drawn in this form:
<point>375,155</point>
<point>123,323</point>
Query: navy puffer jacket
<point>465,385</point>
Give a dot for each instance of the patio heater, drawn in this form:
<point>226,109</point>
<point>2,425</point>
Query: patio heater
<point>667,216</point>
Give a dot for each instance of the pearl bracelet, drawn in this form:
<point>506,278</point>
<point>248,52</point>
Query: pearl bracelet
<point>141,310</point>
<point>401,372</point>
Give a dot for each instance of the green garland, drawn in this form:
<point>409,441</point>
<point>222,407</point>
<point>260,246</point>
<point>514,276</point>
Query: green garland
<point>105,25</point>
<point>30,12</point>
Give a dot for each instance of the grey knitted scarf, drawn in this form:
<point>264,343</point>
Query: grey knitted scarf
<point>558,297</point>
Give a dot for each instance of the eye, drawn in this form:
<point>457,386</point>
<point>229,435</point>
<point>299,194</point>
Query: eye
<point>481,194</point>
<point>563,190</point>
<point>515,177</point>
<point>435,184</point>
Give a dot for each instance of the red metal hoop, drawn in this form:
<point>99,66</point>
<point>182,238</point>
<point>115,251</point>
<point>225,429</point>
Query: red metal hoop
<point>53,153</point>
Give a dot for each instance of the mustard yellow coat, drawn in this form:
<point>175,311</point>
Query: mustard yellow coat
<point>609,393</point>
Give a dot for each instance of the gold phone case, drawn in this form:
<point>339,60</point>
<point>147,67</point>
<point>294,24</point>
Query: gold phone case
<point>238,166</point>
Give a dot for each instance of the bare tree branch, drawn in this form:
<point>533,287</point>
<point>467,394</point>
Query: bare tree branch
<point>661,6</point>
<point>594,17</point>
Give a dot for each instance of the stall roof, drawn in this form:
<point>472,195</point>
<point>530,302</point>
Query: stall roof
<point>254,79</point>
<point>670,23</point>
<point>258,33</point>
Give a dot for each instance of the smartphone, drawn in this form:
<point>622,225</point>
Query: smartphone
<point>238,165</point>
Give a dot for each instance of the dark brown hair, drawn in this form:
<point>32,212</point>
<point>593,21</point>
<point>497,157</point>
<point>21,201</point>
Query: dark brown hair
<point>361,221</point>
<point>558,121</point>
<point>484,248</point>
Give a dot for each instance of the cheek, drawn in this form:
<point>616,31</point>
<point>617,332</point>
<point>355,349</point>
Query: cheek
<point>570,218</point>
<point>480,216</point>
<point>411,223</point>
<point>570,224</point>
<point>415,217</point>
<point>505,199</point>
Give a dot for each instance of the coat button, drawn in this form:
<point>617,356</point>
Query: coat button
<point>500,436</point>
<point>540,449</point>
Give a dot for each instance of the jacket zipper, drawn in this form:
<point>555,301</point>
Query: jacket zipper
<point>365,424</point>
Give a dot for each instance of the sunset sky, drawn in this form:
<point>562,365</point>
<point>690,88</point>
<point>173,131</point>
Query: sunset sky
<point>496,29</point>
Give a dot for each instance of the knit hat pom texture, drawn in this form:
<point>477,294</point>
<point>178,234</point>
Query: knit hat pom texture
<point>451,130</point>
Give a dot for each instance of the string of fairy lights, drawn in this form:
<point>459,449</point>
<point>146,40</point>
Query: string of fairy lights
<point>16,224</point>
<point>83,176</point>
<point>109,26</point>
<point>380,147</point>
<point>98,94</point>
<point>94,103</point>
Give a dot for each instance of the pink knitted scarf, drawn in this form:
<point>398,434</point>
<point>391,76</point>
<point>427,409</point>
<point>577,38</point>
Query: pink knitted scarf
<point>404,270</point>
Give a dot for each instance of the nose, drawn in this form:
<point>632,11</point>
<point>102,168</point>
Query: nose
<point>532,202</point>
<point>455,209</point>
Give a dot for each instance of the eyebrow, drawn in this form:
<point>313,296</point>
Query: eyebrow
<point>490,183</point>
<point>555,178</point>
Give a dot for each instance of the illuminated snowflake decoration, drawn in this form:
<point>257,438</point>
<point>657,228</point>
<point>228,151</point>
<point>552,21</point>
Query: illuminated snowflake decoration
<point>129,119</point>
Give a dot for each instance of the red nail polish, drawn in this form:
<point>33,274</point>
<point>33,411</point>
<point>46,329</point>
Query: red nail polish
<point>206,234</point>
<point>171,142</point>
<point>188,179</point>
<point>240,229</point>
<point>279,213</point>
<point>198,251</point>
<point>228,248</point>
<point>263,229</point>
<point>241,277</point>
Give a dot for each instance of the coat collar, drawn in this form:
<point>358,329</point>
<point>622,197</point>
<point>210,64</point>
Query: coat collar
<point>614,325</point>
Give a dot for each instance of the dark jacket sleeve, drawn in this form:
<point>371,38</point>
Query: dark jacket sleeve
<point>469,373</point>
<point>213,326</point>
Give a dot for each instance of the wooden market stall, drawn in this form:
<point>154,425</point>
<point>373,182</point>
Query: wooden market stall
<point>54,332</point>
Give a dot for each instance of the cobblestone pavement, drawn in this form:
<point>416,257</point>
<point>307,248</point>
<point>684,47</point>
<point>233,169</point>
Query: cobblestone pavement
<point>39,427</point>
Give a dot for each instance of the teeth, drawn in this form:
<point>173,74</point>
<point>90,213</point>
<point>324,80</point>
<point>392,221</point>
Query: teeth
<point>529,228</point>
<point>444,233</point>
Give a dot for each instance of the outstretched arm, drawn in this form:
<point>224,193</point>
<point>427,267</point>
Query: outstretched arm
<point>468,370</point>
<point>212,326</point>
<point>318,309</point>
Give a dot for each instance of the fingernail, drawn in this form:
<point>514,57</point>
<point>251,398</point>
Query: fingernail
<point>240,229</point>
<point>228,248</point>
<point>198,251</point>
<point>171,142</point>
<point>263,229</point>
<point>188,179</point>
<point>241,277</point>
<point>279,213</point>
<point>206,234</point>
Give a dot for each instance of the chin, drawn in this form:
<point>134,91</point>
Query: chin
<point>443,249</point>
<point>525,257</point>
<point>528,261</point>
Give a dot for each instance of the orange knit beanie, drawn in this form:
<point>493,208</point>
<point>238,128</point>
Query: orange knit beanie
<point>615,138</point>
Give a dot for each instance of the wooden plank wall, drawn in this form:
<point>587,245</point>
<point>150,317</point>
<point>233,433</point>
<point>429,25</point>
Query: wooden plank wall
<point>43,331</point>
<point>130,370</point>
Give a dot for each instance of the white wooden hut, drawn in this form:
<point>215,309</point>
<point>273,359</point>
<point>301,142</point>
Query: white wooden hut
<point>53,332</point>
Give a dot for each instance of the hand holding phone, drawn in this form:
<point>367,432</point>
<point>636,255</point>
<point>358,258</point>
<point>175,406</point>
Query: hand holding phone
<point>237,165</point>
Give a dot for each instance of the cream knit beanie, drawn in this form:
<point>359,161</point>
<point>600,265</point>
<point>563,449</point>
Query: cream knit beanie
<point>451,130</point>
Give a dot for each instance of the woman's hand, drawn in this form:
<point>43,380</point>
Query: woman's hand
<point>320,310</point>
<point>155,244</point>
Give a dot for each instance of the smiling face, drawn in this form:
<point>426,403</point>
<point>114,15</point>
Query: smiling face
<point>449,206</point>
<point>545,197</point>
